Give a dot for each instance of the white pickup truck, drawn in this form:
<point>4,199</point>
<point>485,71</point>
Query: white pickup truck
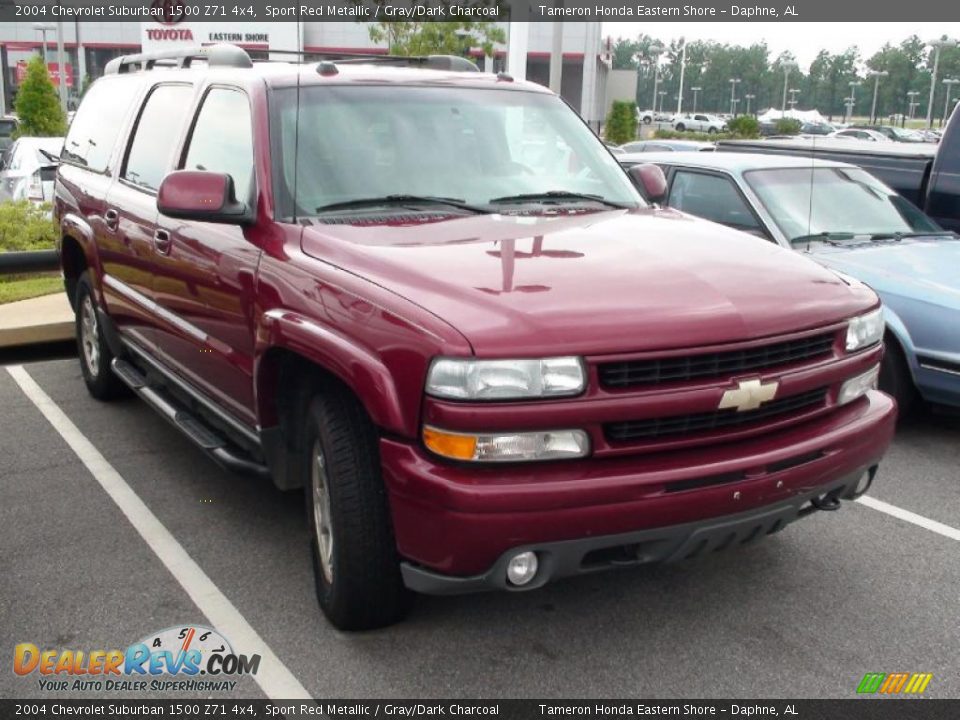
<point>699,123</point>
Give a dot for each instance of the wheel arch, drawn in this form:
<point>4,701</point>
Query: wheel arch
<point>77,254</point>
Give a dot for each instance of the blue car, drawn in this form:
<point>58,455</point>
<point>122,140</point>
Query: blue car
<point>844,218</point>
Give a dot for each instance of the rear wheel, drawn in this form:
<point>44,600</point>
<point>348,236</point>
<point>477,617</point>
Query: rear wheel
<point>681,127</point>
<point>356,566</point>
<point>647,119</point>
<point>895,378</point>
<point>712,131</point>
<point>95,354</point>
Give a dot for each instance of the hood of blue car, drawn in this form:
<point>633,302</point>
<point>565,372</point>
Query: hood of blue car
<point>923,269</point>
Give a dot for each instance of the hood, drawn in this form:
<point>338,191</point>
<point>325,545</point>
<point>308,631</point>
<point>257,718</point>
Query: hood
<point>592,283</point>
<point>923,269</point>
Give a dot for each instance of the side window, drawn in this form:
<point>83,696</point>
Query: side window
<point>710,197</point>
<point>222,138</point>
<point>94,130</point>
<point>158,127</point>
<point>702,118</point>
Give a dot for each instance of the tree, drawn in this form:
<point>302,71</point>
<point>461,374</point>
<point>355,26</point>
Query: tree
<point>621,124</point>
<point>625,53</point>
<point>436,38</point>
<point>38,105</point>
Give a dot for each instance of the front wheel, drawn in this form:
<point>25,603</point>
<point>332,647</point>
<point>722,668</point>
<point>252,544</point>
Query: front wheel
<point>95,354</point>
<point>681,127</point>
<point>356,566</point>
<point>895,378</point>
<point>712,131</point>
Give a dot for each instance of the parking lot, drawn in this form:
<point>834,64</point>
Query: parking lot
<point>804,614</point>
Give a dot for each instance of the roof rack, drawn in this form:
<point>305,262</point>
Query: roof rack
<point>221,55</point>
<point>454,63</point>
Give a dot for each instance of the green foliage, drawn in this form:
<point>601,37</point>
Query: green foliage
<point>38,105</point>
<point>699,136</point>
<point>621,122</point>
<point>436,38</point>
<point>744,126</point>
<point>25,226</point>
<point>787,126</point>
<point>21,288</point>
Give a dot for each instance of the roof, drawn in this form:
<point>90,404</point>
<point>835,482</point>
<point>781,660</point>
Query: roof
<point>730,161</point>
<point>839,145</point>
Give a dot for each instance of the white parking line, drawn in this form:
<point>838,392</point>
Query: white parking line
<point>911,517</point>
<point>273,677</point>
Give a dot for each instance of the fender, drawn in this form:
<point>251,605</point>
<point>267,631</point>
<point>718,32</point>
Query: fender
<point>77,228</point>
<point>356,366</point>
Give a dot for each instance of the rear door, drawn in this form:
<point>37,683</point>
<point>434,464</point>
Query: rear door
<point>129,245</point>
<point>205,273</point>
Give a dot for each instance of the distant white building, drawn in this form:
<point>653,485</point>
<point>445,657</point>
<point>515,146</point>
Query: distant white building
<point>90,45</point>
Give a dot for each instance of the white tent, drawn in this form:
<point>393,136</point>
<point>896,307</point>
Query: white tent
<point>809,116</point>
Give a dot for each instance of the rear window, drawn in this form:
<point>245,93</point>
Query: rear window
<point>93,132</point>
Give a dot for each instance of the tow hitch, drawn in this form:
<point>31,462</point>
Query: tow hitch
<point>831,500</point>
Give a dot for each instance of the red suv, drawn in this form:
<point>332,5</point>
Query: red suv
<point>434,300</point>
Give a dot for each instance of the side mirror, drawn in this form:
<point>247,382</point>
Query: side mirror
<point>650,181</point>
<point>203,196</point>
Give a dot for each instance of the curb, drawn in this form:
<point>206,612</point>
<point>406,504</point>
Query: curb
<point>44,319</point>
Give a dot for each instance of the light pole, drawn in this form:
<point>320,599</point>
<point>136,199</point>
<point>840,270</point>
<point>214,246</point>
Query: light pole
<point>683,68</point>
<point>655,51</point>
<point>43,29</point>
<point>749,97</point>
<point>848,103</point>
<point>695,91</point>
<point>733,95</point>
<point>913,102</point>
<point>876,74</point>
<point>949,82</point>
<point>936,45</point>
<point>854,84</point>
<point>787,67</point>
<point>661,93</point>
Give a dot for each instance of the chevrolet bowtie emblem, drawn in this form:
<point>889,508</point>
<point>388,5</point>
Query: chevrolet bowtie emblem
<point>748,395</point>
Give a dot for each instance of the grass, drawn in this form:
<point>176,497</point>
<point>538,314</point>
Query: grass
<point>21,288</point>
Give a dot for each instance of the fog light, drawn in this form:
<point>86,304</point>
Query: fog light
<point>858,386</point>
<point>521,568</point>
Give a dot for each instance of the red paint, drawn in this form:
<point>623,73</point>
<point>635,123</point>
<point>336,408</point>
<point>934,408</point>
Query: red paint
<point>373,304</point>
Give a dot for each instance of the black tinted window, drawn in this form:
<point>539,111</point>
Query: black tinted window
<point>93,132</point>
<point>157,130</point>
<point>710,197</point>
<point>222,138</point>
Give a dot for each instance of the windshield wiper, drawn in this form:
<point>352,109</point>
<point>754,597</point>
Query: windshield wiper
<point>360,203</point>
<point>832,238</point>
<point>49,155</point>
<point>901,235</point>
<point>557,195</point>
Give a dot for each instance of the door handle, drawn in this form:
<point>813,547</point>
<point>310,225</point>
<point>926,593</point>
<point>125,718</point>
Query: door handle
<point>161,239</point>
<point>111,218</point>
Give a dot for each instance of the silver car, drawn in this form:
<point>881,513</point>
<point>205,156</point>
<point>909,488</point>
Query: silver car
<point>28,167</point>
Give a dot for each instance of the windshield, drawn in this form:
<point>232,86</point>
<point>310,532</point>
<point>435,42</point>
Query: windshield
<point>472,145</point>
<point>810,201</point>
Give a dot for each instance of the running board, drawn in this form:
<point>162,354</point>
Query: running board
<point>202,435</point>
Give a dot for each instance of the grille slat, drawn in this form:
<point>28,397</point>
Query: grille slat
<point>631,373</point>
<point>682,425</point>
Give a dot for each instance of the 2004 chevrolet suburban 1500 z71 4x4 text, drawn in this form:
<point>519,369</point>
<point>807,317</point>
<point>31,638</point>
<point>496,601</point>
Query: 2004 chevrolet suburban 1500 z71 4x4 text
<point>434,300</point>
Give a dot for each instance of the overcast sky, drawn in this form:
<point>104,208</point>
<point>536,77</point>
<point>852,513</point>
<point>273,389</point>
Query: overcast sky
<point>805,40</point>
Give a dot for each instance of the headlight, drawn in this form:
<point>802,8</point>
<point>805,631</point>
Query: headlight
<point>507,447</point>
<point>467,379</point>
<point>859,385</point>
<point>865,330</point>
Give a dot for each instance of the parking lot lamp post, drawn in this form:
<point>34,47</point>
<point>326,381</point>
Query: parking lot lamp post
<point>876,74</point>
<point>695,91</point>
<point>936,45</point>
<point>661,93</point>
<point>749,97</point>
<point>43,29</point>
<point>912,95</point>
<point>949,82</point>
<point>654,51</point>
<point>787,67</point>
<point>733,95</point>
<point>854,84</point>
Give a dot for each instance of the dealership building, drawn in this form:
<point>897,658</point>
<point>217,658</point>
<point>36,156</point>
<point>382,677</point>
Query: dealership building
<point>89,46</point>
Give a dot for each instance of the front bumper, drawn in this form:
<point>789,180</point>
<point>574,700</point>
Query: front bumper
<point>457,522</point>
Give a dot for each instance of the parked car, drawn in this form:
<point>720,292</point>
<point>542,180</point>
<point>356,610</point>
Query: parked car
<point>650,116</point>
<point>8,126</point>
<point>892,133</point>
<point>666,146</point>
<point>848,220</point>
<point>817,128</point>
<point>28,168</point>
<point>859,134</point>
<point>699,122</point>
<point>489,365</point>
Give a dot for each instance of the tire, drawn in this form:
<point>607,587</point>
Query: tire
<point>895,378</point>
<point>712,131</point>
<point>355,561</point>
<point>95,355</point>
<point>647,120</point>
<point>681,127</point>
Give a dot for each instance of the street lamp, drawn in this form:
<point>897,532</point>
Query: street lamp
<point>695,91</point>
<point>43,29</point>
<point>733,95</point>
<point>854,84</point>
<point>876,75</point>
<point>654,51</point>
<point>749,97</point>
<point>936,45</point>
<point>787,67</point>
<point>949,82</point>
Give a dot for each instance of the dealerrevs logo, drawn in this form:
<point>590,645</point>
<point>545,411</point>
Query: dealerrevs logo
<point>177,652</point>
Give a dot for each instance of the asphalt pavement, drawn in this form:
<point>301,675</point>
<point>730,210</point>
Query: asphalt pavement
<point>804,614</point>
